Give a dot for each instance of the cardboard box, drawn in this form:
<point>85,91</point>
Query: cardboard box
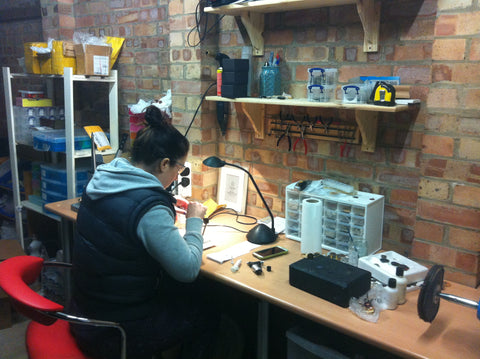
<point>8,248</point>
<point>93,60</point>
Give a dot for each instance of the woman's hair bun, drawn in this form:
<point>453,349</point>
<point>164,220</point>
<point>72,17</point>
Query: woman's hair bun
<point>155,117</point>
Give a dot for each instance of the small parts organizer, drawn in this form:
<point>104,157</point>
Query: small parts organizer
<point>314,127</point>
<point>345,217</point>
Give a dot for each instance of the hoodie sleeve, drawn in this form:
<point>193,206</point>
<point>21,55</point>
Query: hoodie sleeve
<point>180,256</point>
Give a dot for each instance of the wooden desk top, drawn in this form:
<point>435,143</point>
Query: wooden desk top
<point>455,332</point>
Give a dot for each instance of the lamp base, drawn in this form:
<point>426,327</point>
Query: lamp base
<point>261,234</point>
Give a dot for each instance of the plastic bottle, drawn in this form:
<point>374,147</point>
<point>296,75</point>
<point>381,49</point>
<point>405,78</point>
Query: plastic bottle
<point>401,285</point>
<point>391,294</point>
<point>219,81</point>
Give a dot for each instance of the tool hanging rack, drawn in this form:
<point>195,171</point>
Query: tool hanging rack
<point>315,127</point>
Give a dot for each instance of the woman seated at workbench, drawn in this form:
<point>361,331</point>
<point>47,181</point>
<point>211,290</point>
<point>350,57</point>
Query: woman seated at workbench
<point>130,263</point>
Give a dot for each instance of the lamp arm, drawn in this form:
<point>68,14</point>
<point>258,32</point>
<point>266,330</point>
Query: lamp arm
<point>258,191</point>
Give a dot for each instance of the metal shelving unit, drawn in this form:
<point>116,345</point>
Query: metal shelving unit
<point>71,154</point>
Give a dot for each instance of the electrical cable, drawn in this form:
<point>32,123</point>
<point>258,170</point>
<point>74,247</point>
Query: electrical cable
<point>232,212</point>
<point>198,20</point>
<point>198,107</point>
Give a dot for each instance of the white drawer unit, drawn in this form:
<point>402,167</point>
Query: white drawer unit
<point>358,216</point>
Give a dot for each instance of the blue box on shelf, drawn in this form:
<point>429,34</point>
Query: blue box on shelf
<point>54,140</point>
<point>61,187</point>
<point>59,173</point>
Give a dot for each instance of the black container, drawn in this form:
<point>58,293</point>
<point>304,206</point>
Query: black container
<point>234,78</point>
<point>330,279</point>
<point>234,91</point>
<point>235,65</point>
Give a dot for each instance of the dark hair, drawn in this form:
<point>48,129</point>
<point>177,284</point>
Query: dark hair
<point>158,139</point>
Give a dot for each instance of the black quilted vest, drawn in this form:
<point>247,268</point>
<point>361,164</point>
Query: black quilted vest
<point>114,277</point>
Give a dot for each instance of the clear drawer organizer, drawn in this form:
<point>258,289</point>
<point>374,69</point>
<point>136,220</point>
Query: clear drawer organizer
<point>347,215</point>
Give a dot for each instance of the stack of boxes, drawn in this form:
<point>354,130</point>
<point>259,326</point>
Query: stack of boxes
<point>235,78</point>
<point>322,84</point>
<point>54,182</point>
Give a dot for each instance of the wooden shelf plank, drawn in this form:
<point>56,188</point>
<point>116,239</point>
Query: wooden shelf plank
<point>366,115</point>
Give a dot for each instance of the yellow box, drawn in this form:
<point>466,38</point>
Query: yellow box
<point>32,63</point>
<point>28,102</point>
<point>63,55</point>
<point>93,60</point>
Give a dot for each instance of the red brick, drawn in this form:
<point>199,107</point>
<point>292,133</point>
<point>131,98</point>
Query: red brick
<point>279,37</point>
<point>429,231</point>
<point>413,52</point>
<point>467,262</point>
<point>403,197</point>
<point>441,72</point>
<point>357,170</point>
<point>445,213</point>
<point>438,145</point>
<point>403,216</point>
<point>399,177</point>
<point>474,50</point>
<point>464,238</point>
<point>466,73</point>
<point>446,25</point>
<point>414,74</point>
<point>472,99</point>
<point>443,98</point>
<point>466,196</point>
<point>449,49</point>
<point>347,72</point>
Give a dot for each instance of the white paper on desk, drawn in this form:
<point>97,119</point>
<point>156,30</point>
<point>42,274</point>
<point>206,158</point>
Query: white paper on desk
<point>232,252</point>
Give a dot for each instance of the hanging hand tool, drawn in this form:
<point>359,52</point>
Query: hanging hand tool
<point>326,123</point>
<point>302,132</point>
<point>286,134</point>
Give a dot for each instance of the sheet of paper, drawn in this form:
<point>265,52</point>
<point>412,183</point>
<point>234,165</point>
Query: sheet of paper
<point>232,252</point>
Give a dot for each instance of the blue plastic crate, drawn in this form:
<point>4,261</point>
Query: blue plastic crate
<point>61,187</point>
<point>54,140</point>
<point>49,197</point>
<point>59,173</point>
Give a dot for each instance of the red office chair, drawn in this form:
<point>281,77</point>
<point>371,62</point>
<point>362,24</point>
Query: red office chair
<point>48,335</point>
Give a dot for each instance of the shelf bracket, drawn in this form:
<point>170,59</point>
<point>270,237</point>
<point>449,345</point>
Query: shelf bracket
<point>367,123</point>
<point>256,115</point>
<point>254,24</point>
<point>369,12</point>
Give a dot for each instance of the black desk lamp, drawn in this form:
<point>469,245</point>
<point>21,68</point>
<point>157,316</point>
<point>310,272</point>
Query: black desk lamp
<point>260,234</point>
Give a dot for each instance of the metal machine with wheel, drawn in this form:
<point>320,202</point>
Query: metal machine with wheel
<point>431,292</point>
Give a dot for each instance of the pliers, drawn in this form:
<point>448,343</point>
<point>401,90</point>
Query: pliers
<point>302,132</point>
<point>287,134</point>
<point>326,123</point>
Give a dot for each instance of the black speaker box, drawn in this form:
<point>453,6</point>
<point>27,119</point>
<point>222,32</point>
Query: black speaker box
<point>330,279</point>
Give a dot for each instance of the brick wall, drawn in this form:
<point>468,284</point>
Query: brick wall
<point>426,160</point>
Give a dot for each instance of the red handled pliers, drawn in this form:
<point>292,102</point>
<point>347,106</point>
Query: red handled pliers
<point>287,134</point>
<point>302,132</point>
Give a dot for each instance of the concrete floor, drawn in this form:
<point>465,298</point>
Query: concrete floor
<point>12,340</point>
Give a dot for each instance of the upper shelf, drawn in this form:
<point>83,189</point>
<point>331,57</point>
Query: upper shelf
<point>366,115</point>
<point>252,15</point>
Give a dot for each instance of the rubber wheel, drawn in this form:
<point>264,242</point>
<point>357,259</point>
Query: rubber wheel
<point>429,299</point>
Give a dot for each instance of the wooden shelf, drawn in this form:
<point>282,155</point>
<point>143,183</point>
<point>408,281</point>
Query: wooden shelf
<point>252,16</point>
<point>366,115</point>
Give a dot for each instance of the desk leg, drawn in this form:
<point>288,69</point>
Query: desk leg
<point>262,330</point>
<point>66,230</point>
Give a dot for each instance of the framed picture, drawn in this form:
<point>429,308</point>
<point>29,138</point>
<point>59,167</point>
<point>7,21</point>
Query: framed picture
<point>232,188</point>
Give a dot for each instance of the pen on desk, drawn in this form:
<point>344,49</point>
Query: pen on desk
<point>236,266</point>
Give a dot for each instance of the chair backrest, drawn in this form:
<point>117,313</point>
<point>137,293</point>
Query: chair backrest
<point>16,274</point>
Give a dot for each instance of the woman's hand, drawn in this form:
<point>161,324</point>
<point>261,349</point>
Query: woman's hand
<point>196,209</point>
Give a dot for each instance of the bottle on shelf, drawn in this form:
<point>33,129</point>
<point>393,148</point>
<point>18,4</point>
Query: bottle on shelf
<point>390,297</point>
<point>401,285</point>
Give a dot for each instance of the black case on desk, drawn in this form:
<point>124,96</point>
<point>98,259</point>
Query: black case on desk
<point>330,279</point>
